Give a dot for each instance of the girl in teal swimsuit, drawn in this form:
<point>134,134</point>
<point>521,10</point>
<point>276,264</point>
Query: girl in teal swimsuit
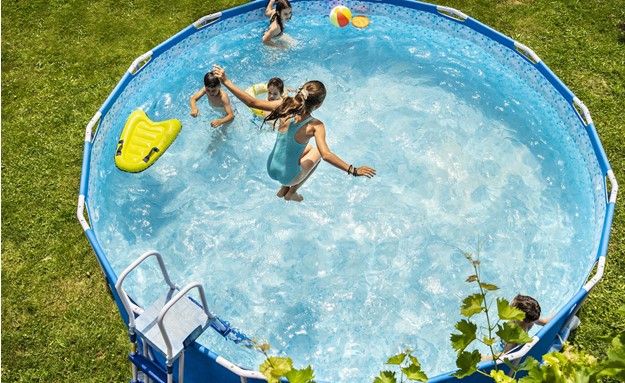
<point>293,159</point>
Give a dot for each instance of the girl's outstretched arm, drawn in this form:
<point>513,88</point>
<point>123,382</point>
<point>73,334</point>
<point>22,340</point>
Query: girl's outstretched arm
<point>242,95</point>
<point>336,161</point>
<point>269,10</point>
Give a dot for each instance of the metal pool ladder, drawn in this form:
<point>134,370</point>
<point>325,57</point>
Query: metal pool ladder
<point>169,325</point>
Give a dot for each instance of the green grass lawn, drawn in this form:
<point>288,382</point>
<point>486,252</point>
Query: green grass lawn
<point>60,61</point>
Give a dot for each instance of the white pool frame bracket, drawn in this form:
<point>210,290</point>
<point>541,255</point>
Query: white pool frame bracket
<point>527,52</point>
<point>80,213</point>
<point>614,189</point>
<point>452,13</point>
<point>206,20</point>
<point>585,113</point>
<point>140,62</point>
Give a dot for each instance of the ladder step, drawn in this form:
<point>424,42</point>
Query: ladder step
<point>184,323</point>
<point>151,369</point>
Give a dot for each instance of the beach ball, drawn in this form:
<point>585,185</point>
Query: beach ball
<point>340,16</point>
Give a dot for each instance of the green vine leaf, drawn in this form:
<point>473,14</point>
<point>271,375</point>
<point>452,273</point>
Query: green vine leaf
<point>300,376</point>
<point>399,358</point>
<point>618,341</point>
<point>528,364</point>
<point>385,377</point>
<point>467,335</point>
<point>507,312</point>
<point>500,377</point>
<point>489,341</point>
<point>276,367</point>
<point>414,361</point>
<point>472,278</point>
<point>467,363</point>
<point>554,359</point>
<point>614,366</point>
<point>569,366</point>
<point>472,305</point>
<point>510,332</point>
<point>535,375</point>
<point>488,286</point>
<point>413,372</point>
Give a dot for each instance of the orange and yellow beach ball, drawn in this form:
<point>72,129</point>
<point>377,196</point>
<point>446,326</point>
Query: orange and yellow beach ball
<point>340,16</point>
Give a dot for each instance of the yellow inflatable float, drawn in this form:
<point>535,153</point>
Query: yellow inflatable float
<point>360,21</point>
<point>143,141</point>
<point>255,91</point>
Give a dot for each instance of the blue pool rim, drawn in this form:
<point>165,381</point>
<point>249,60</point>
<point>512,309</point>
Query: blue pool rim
<point>201,363</point>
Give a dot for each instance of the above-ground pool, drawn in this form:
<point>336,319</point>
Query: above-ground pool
<point>471,136</point>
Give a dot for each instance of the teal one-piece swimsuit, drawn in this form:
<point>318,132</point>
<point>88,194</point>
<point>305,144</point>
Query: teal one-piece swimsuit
<point>283,162</point>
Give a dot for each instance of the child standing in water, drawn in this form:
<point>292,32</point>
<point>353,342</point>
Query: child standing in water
<point>217,98</point>
<point>293,159</point>
<point>277,17</point>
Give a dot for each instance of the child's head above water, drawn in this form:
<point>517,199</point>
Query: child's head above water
<point>529,306</point>
<point>275,89</point>
<point>283,12</point>
<point>212,84</point>
<point>284,9</point>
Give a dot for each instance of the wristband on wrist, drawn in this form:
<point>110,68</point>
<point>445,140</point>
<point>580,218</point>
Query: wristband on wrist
<point>355,173</point>
<point>349,170</point>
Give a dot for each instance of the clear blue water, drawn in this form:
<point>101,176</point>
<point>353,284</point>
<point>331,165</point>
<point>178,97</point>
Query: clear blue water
<point>362,268</point>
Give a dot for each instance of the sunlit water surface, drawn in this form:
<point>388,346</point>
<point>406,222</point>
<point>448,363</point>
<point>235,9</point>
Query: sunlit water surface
<point>363,268</point>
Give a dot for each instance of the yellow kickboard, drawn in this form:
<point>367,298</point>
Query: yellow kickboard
<point>143,141</point>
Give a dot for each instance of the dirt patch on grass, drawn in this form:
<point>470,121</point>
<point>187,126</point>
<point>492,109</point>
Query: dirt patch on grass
<point>519,2</point>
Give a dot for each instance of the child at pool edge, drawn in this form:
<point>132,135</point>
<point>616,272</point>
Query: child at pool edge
<point>217,99</point>
<point>531,308</point>
<point>293,159</point>
<point>277,18</point>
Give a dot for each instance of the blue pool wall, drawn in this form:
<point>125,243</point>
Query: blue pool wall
<point>201,363</point>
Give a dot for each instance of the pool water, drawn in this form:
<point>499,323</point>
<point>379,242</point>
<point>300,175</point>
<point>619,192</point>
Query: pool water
<point>363,268</point>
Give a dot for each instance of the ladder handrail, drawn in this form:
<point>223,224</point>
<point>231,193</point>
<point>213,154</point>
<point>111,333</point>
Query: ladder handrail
<point>176,298</point>
<point>122,294</point>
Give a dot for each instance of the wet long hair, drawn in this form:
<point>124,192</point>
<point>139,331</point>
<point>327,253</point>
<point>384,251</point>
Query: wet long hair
<point>280,6</point>
<point>308,96</point>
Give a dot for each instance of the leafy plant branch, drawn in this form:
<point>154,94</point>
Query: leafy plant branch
<point>569,365</point>
<point>507,331</point>
<point>276,367</point>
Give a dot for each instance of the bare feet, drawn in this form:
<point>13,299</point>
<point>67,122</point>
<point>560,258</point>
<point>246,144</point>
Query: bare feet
<point>283,190</point>
<point>293,196</point>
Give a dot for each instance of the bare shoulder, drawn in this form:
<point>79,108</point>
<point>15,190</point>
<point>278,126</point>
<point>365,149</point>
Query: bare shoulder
<point>224,96</point>
<point>316,124</point>
<point>274,28</point>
